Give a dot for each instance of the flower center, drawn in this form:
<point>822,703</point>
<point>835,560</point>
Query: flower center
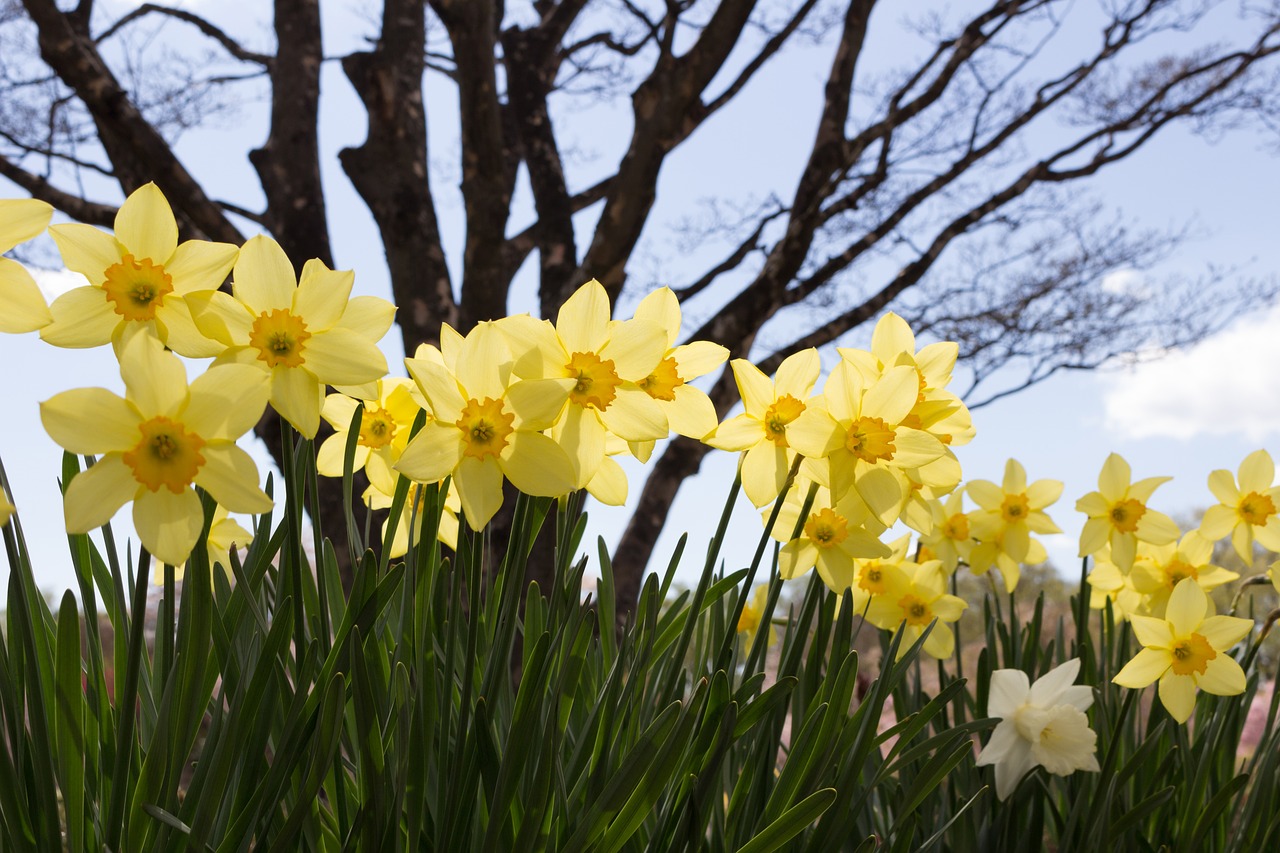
<point>1126,513</point>
<point>1176,571</point>
<point>485,427</point>
<point>663,382</point>
<point>780,413</point>
<point>1015,508</point>
<point>137,287</point>
<point>377,427</point>
<point>871,440</point>
<point>956,527</point>
<point>280,338</point>
<point>1191,654</point>
<point>871,578</point>
<point>1256,508</point>
<point>915,610</point>
<point>826,528</point>
<point>167,455</point>
<point>597,380</point>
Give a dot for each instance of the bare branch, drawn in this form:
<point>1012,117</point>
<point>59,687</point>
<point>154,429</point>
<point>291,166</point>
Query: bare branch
<point>229,44</point>
<point>72,205</point>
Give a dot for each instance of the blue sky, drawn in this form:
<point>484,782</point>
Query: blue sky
<point>1183,416</point>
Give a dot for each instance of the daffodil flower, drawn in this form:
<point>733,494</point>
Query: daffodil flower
<point>1119,515</point>
<point>1246,513</point>
<point>1108,583</point>
<point>305,332</point>
<point>225,535</point>
<point>157,442</point>
<point>483,431</point>
<point>689,411</point>
<point>916,605</point>
<point>1041,725</point>
<point>1159,569</point>
<point>384,432</point>
<point>949,539</point>
<point>139,277</point>
<point>409,527</point>
<point>752,613</point>
<point>1185,650</point>
<point>760,432</point>
<point>1007,516</point>
<point>833,535</point>
<point>24,306</point>
<point>606,361</point>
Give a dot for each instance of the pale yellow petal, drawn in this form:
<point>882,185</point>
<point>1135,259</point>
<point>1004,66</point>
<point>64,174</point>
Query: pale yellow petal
<point>1015,478</point>
<point>200,265</point>
<point>90,421</point>
<point>368,316</point>
<point>754,387</point>
<point>1043,493</point>
<point>691,413</point>
<point>1114,479</point>
<point>635,347</point>
<point>95,495</point>
<point>796,557</point>
<point>264,279</point>
<point>1187,607</point>
<point>1153,633</point>
<point>737,433</point>
<point>1218,522</point>
<point>439,387</point>
<point>882,492</point>
<point>180,333</point>
<point>1178,695</point>
<point>168,524</point>
<point>1223,632</point>
<point>985,494</point>
<point>221,317</point>
<point>538,403</point>
<point>914,448</point>
<point>82,318</point>
<point>538,466</point>
<point>893,396</point>
<point>21,219</point>
<point>1124,547</point>
<point>892,336</point>
<point>662,309</point>
<point>479,485</point>
<point>609,485</point>
<point>798,373</point>
<point>145,224</point>
<point>432,454</point>
<point>582,436</point>
<point>1157,528</point>
<point>764,470</point>
<point>1093,505</point>
<point>24,306</point>
<point>1222,676</point>
<point>583,321</point>
<point>1257,472</point>
<point>815,434</point>
<point>231,477</point>
<point>1223,485</point>
<point>699,357</point>
<point>322,294</point>
<point>1146,667</point>
<point>87,250</point>
<point>226,401</point>
<point>635,416</point>
<point>483,362</point>
<point>297,396</point>
<point>155,380</point>
<point>341,357</point>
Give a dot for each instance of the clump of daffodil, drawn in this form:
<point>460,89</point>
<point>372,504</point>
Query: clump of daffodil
<point>752,613</point>
<point>305,332</point>
<point>484,430</point>
<point>833,535</point>
<point>1247,512</point>
<point>225,535</point>
<point>1185,650</point>
<point>1119,515</point>
<point>24,306</point>
<point>1007,516</point>
<point>139,277</point>
<point>949,538</point>
<point>769,407</point>
<point>1158,569</point>
<point>385,424</point>
<point>915,605</point>
<point>605,361</point>
<point>689,411</point>
<point>157,442</point>
<point>860,434</point>
<point>1041,725</point>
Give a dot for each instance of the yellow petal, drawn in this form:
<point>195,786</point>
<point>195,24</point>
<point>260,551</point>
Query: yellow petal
<point>609,485</point>
<point>815,434</point>
<point>24,306</point>
<point>1093,505</point>
<point>582,436</point>
<point>341,357</point>
<point>227,401</point>
<point>21,219</point>
<point>796,557</point>
<point>738,433</point>
<point>155,380</point>
<point>892,336</point>
<point>297,396</point>
<point>96,494</point>
<point>1242,542</point>
<point>90,421</point>
<point>322,294</point>
<point>1218,522</point>
<point>1178,695</point>
<point>843,392</point>
<point>220,317</point>
<point>882,492</point>
<point>536,465</point>
<point>914,448</point>
<point>1222,677</point>
<point>1143,489</point>
<point>200,265</point>
<point>538,350</point>
<point>439,387</point>
<point>1257,472</point>
<point>662,309</point>
<point>1223,485</point>
<point>432,455</point>
<point>180,333</point>
<point>936,362</point>
<point>635,347</point>
<point>691,413</point>
<point>1223,632</point>
<point>699,357</point>
<point>893,397</point>
<point>168,524</point>
<point>635,416</point>
<point>1043,493</point>
<point>1153,633</point>
<point>82,317</point>
<point>1015,478</point>
<point>483,362</point>
<point>264,280</point>
<point>87,250</point>
<point>985,494</point>
<point>583,321</point>
<point>753,386</point>
<point>231,477</point>
<point>1146,667</point>
<point>798,373</point>
<point>1017,541</point>
<point>1114,479</point>
<point>764,470</point>
<point>1124,548</point>
<point>538,403</point>
<point>145,224</point>
<point>480,487</point>
<point>1187,607</point>
<point>1157,528</point>
<point>368,316</point>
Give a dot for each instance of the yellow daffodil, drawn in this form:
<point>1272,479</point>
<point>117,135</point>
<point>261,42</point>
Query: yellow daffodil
<point>833,535</point>
<point>157,442</point>
<point>483,431</point>
<point>860,432</point>
<point>992,552</point>
<point>384,431</point>
<point>305,332</point>
<point>1185,650</point>
<point>1158,569</point>
<point>760,432</point>
<point>225,535</point>
<point>412,515</point>
<point>139,277</point>
<point>24,306</point>
<point>888,574</point>
<point>915,606</point>
<point>1041,725</point>
<point>1246,513</point>
<point>949,539</point>
<point>1119,515</point>
<point>689,411</point>
<point>1007,516</point>
<point>752,613</point>
<point>926,484</point>
<point>1108,583</point>
<point>606,362</point>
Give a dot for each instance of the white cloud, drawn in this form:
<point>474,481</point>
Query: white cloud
<point>1228,384</point>
<point>1126,282</point>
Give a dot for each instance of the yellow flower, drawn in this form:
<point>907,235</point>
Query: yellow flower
<point>606,361</point>
<point>1108,583</point>
<point>157,442</point>
<point>950,538</point>
<point>139,277</point>
<point>411,516</point>
<point>1007,516</point>
<point>834,533</point>
<point>689,411</point>
<point>1248,512</point>
<point>760,432</point>
<point>1158,569</point>
<point>860,432</point>
<point>752,613</point>
<point>915,606</point>
<point>24,306</point>
<point>484,431</point>
<point>1119,515</point>
<point>1186,650</point>
<point>225,535</point>
<point>384,431</point>
<point>306,333</point>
